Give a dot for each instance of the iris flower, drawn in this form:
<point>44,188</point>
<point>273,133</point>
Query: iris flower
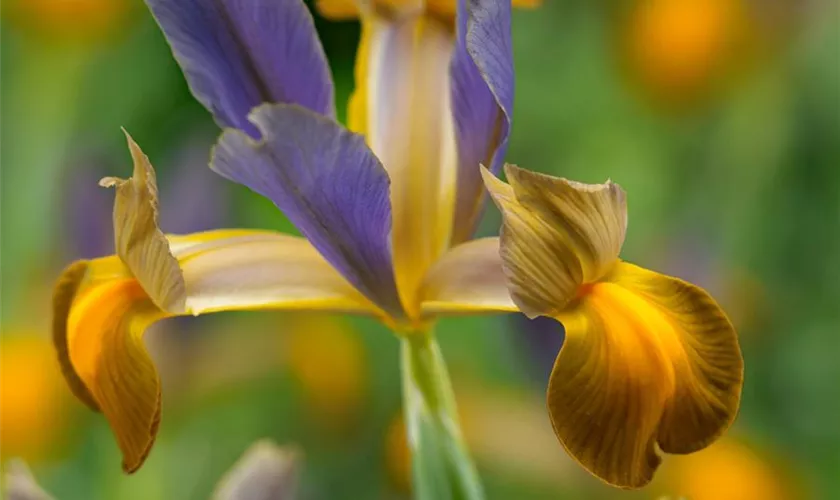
<point>387,214</point>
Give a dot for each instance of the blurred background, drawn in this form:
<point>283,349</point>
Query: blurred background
<point>721,119</point>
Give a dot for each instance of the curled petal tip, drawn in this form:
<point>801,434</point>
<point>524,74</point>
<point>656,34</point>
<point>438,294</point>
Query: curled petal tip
<point>108,182</point>
<point>138,239</point>
<point>486,175</point>
<point>134,459</point>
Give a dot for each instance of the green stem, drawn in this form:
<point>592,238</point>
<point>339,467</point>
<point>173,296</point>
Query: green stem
<point>441,465</point>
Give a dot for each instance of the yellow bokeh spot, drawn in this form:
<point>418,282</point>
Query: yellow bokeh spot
<point>32,396</point>
<point>726,470</point>
<point>326,356</point>
<point>398,455</point>
<point>680,49</point>
<point>69,20</point>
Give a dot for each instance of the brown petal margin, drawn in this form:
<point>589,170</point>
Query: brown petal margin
<point>63,295</point>
<point>99,315</point>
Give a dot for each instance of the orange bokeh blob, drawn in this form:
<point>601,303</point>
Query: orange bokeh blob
<point>681,50</point>
<point>398,455</point>
<point>727,470</point>
<point>32,397</point>
<point>329,361</point>
<point>69,20</point>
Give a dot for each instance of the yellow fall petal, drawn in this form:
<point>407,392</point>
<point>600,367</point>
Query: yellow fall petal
<point>467,280</point>
<point>63,294</point>
<point>101,312</point>
<point>649,362</point>
<point>139,241</point>
<point>97,329</point>
<point>106,350</point>
<point>102,307</point>
<point>709,366</point>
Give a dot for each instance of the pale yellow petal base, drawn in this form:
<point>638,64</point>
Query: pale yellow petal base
<point>467,280</point>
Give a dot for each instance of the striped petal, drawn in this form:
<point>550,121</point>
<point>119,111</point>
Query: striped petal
<point>401,104</point>
<point>482,85</point>
<point>589,219</point>
<point>139,241</point>
<point>708,365</point>
<point>557,235</point>
<point>542,275</point>
<point>328,183</point>
<point>238,54</point>
<point>246,269</point>
<point>467,280</point>
<point>648,362</point>
<point>100,312</point>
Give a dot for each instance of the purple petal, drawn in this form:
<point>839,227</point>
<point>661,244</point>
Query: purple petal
<point>238,54</point>
<point>482,102</point>
<point>328,183</point>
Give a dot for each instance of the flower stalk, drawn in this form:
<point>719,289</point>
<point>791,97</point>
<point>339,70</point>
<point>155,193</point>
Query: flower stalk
<point>441,465</point>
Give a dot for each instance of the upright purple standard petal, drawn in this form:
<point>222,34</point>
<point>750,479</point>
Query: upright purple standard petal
<point>482,102</point>
<point>238,54</point>
<point>328,183</point>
